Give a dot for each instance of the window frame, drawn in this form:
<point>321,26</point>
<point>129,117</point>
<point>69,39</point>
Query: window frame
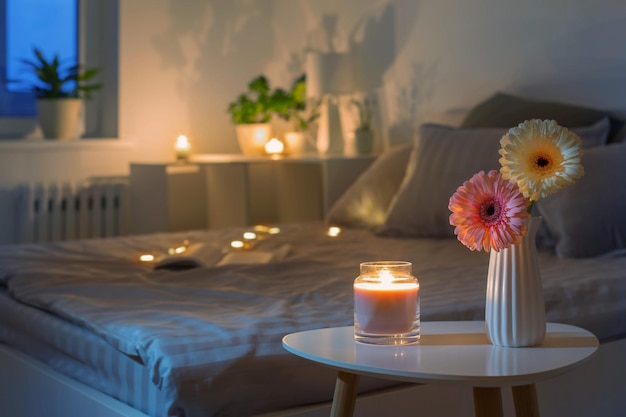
<point>98,36</point>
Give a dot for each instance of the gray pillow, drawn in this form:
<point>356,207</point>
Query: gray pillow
<point>442,159</point>
<point>507,110</point>
<point>588,218</point>
<point>365,202</point>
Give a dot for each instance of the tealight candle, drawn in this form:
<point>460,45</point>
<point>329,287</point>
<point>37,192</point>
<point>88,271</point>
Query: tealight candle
<point>274,147</point>
<point>249,235</point>
<point>182,147</point>
<point>333,231</point>
<point>386,304</point>
<point>146,257</point>
<point>237,244</point>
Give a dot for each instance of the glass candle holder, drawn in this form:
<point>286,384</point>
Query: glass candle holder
<point>386,304</point>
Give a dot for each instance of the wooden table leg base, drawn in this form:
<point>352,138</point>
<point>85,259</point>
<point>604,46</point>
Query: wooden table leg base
<point>344,398</point>
<point>487,402</point>
<point>525,400</point>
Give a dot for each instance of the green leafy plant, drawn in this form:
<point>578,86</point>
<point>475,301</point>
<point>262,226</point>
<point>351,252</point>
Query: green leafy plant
<point>259,103</point>
<point>292,105</point>
<point>253,106</point>
<point>57,80</point>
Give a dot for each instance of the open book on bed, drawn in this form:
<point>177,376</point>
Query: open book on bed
<point>198,254</point>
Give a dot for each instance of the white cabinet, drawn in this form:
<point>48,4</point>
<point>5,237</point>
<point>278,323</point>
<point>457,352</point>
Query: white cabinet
<point>166,197</point>
<point>237,190</point>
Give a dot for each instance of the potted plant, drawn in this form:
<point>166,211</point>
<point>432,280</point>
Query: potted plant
<point>292,106</point>
<point>251,113</point>
<point>59,91</point>
<point>363,133</point>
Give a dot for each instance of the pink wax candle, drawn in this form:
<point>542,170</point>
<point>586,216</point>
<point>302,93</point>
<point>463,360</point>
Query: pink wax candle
<point>385,309</point>
<point>386,303</point>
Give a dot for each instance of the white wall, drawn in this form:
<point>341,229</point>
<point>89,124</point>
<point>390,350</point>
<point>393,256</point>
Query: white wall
<point>181,63</point>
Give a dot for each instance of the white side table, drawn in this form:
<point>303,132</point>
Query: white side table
<point>449,352</point>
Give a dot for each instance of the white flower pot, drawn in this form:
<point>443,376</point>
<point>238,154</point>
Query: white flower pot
<point>296,143</point>
<point>60,118</point>
<point>515,313</point>
<point>252,138</point>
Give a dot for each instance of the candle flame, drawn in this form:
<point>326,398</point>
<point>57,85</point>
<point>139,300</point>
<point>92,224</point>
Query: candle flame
<point>249,235</point>
<point>182,143</point>
<point>146,257</point>
<point>274,147</point>
<point>334,231</point>
<point>385,276</point>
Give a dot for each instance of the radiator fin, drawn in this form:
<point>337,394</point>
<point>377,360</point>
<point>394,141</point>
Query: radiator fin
<point>50,212</point>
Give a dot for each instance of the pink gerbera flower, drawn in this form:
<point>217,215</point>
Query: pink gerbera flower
<point>488,212</point>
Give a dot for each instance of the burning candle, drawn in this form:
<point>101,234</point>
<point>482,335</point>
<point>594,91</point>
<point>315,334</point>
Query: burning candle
<point>333,231</point>
<point>274,147</point>
<point>182,147</point>
<point>386,304</point>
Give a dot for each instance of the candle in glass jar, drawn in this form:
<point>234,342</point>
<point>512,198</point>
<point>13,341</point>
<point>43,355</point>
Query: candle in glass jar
<point>386,303</point>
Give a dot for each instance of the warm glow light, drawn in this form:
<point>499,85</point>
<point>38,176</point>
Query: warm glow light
<point>385,276</point>
<point>237,244</point>
<point>274,147</point>
<point>261,228</point>
<point>182,147</point>
<point>249,235</point>
<point>146,258</point>
<point>178,249</point>
<point>274,230</point>
<point>334,231</point>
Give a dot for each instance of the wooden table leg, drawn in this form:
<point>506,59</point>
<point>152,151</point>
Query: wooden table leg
<point>487,402</point>
<point>344,398</point>
<point>525,400</point>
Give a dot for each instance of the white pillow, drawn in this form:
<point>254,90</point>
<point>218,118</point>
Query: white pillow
<point>365,202</point>
<point>441,160</point>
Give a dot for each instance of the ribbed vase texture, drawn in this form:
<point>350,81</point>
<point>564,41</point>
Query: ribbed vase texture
<point>515,313</point>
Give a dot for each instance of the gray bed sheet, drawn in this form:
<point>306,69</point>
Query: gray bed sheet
<point>209,338</point>
<point>78,353</point>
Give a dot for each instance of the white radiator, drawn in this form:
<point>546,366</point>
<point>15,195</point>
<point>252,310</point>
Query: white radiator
<point>48,212</point>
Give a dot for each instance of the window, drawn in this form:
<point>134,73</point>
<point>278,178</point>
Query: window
<point>28,25</point>
<point>85,31</point>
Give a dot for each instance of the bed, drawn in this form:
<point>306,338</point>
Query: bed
<point>205,341</point>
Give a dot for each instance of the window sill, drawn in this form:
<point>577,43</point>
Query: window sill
<point>43,145</point>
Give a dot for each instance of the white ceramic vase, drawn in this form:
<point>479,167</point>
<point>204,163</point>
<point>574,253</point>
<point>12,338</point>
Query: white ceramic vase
<point>252,137</point>
<point>60,118</point>
<point>515,313</point>
<point>295,142</point>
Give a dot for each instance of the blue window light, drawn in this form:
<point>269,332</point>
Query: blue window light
<point>50,25</point>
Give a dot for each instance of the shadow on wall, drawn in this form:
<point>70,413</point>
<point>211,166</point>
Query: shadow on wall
<point>411,102</point>
<point>375,42</point>
<point>373,48</point>
<point>584,71</point>
<point>212,46</point>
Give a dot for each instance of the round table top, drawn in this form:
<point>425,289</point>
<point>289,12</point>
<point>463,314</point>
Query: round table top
<point>450,352</point>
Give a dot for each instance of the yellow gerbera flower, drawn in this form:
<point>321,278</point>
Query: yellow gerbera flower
<point>541,157</point>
